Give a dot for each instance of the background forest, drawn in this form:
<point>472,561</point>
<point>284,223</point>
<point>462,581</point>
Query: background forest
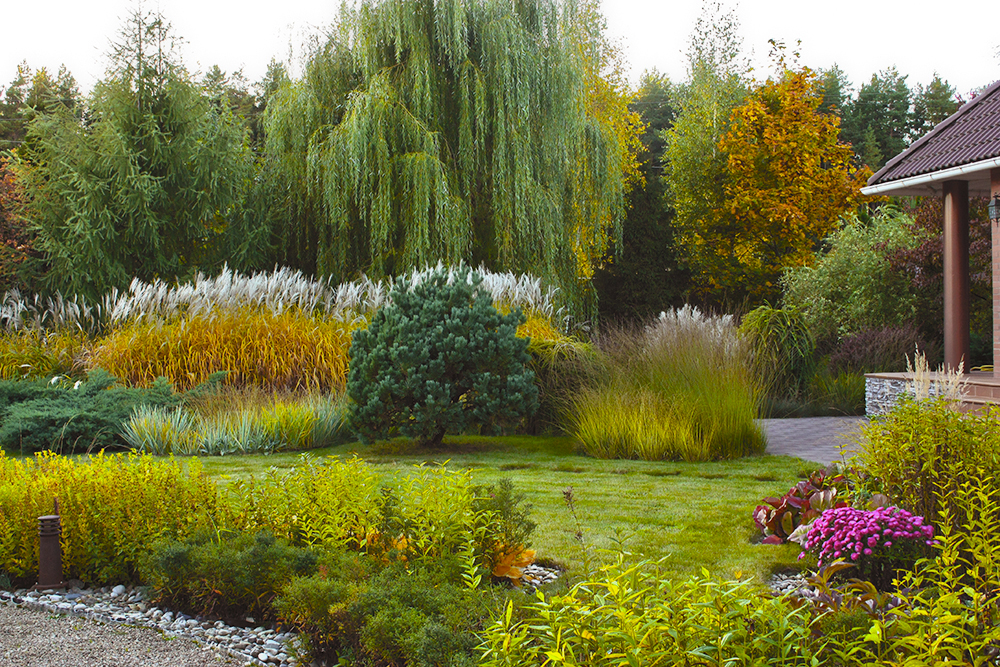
<point>503,136</point>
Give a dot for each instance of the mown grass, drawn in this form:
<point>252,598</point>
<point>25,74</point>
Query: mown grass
<point>697,514</point>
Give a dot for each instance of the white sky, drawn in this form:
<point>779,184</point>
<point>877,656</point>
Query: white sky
<point>862,36</point>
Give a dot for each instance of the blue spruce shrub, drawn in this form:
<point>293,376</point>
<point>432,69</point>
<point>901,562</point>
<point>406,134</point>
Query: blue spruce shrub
<point>439,358</point>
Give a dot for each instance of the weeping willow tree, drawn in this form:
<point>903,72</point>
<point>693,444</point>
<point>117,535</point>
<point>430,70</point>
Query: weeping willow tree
<point>476,130</point>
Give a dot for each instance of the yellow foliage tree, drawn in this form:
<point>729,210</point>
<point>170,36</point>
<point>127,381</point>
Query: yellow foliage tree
<point>789,183</point>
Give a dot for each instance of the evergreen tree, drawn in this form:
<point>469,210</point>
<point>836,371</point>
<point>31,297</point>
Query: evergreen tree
<point>932,104</point>
<point>836,89</point>
<point>644,277</point>
<point>884,104</point>
<point>146,184</point>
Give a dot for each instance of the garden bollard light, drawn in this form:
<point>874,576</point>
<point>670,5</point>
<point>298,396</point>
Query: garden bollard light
<point>49,551</point>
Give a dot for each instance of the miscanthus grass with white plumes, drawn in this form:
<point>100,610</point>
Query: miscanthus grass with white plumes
<point>277,291</point>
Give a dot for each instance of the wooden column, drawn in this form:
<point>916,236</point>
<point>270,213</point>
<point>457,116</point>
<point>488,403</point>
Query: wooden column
<point>995,230</point>
<point>956,275</point>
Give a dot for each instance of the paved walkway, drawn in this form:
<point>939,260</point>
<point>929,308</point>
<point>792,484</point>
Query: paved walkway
<point>817,439</point>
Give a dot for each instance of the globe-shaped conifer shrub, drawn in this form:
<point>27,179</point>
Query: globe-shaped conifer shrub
<point>439,358</point>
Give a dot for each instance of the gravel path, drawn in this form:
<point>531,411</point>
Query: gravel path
<point>31,638</point>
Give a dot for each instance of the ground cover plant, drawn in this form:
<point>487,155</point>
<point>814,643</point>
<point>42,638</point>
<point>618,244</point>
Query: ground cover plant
<point>83,416</point>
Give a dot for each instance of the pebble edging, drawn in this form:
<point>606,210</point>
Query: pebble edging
<point>129,606</point>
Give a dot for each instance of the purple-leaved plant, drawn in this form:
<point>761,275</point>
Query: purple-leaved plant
<point>877,542</point>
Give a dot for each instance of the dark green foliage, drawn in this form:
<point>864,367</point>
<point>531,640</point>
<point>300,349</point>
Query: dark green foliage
<point>371,614</point>
<point>933,103</point>
<point>645,277</point>
<point>145,186</point>
<point>87,418</point>
<point>228,576</point>
<point>509,522</point>
<point>439,358</point>
<point>883,107</point>
<point>836,90</point>
<point>19,391</point>
<point>783,348</point>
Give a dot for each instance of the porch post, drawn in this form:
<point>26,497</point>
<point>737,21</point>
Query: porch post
<point>995,231</point>
<point>956,274</point>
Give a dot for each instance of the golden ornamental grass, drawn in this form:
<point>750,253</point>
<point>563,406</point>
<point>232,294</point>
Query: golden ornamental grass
<point>286,351</point>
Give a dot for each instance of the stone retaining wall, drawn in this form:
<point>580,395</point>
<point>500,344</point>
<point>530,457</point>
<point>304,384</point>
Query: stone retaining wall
<point>882,392</point>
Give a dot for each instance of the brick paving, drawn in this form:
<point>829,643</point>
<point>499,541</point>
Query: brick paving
<point>816,439</point>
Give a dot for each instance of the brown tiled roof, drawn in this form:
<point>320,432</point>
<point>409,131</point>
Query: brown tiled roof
<point>969,135</point>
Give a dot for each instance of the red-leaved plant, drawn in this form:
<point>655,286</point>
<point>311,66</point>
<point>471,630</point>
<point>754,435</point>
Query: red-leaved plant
<point>805,501</point>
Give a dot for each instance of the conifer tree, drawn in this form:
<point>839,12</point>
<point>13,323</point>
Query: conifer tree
<point>145,183</point>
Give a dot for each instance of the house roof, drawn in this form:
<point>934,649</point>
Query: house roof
<point>963,147</point>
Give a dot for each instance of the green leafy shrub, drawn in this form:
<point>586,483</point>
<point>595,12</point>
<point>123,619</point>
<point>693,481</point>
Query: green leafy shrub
<point>633,614</point>
<point>922,452</point>
<point>362,612</point>
<point>425,514</point>
<point>112,508</point>
<point>224,575</point>
<point>782,347</point>
<point>74,418</point>
<point>681,388</point>
<point>853,286</point>
<point>439,358</point>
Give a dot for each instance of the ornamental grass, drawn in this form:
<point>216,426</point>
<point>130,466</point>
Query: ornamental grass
<point>678,389</point>
<point>284,351</point>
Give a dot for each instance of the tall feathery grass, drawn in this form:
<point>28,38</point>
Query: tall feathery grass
<point>289,350</point>
<point>276,291</point>
<point>679,389</point>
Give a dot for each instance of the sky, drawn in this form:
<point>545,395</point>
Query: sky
<point>861,36</point>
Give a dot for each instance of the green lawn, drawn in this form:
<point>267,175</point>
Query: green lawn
<point>697,514</point>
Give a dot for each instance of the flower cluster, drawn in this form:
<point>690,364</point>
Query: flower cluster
<point>849,532</point>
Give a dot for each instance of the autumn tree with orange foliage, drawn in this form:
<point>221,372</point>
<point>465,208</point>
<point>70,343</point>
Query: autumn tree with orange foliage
<point>789,183</point>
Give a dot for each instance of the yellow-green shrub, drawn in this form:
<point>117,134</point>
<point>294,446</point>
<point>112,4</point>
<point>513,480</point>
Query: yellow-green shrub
<point>112,508</point>
<point>633,614</point>
<point>428,513</point>
<point>283,351</point>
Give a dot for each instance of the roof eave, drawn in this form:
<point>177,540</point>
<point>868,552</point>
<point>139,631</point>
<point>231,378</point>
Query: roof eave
<point>925,184</point>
